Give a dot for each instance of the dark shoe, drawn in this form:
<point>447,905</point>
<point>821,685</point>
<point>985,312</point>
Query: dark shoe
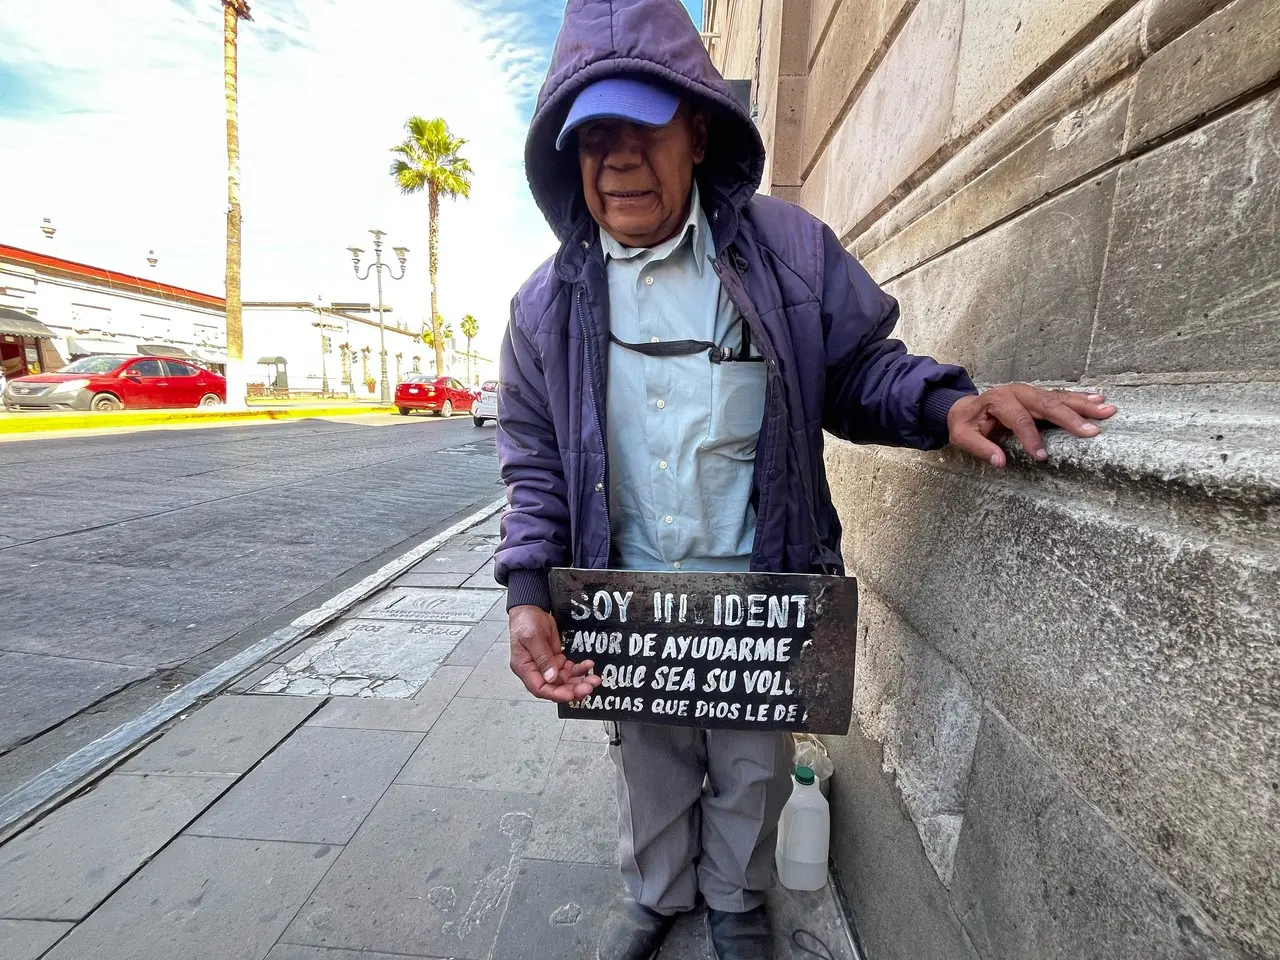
<point>632,932</point>
<point>740,936</point>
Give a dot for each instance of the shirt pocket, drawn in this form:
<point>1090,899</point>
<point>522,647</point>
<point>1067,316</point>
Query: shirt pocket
<point>737,408</point>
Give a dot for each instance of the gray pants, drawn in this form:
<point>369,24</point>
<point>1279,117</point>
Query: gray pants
<point>675,838</point>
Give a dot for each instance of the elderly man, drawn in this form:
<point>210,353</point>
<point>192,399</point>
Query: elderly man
<point>666,381</point>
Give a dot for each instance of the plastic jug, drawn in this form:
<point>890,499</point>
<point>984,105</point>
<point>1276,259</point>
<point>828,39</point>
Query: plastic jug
<point>804,832</point>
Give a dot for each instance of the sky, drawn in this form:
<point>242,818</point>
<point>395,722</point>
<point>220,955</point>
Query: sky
<point>112,125</point>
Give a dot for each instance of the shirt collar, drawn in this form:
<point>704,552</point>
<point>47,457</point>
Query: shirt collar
<point>696,230</point>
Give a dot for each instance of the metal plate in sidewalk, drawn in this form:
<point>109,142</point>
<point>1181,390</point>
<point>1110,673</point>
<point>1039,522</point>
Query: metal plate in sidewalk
<point>367,658</point>
<point>430,604</point>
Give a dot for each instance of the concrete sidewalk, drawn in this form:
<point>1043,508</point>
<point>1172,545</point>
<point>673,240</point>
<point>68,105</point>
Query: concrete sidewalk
<point>385,788</point>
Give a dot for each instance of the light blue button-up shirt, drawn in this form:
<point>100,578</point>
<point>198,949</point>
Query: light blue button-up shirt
<point>682,430</point>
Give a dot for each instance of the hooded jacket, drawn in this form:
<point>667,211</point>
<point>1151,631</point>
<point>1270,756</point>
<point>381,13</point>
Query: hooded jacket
<point>819,320</point>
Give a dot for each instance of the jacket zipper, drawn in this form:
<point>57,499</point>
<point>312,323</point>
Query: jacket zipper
<point>603,486</point>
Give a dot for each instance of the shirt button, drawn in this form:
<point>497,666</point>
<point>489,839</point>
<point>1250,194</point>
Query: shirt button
<point>676,565</point>
<point>662,464</point>
<point>662,404</point>
<point>648,281</point>
<point>653,340</point>
<point>670,519</point>
<point>599,488</point>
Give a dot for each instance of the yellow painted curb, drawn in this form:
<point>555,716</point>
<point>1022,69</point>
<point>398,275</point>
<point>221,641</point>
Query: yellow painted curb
<point>55,422</point>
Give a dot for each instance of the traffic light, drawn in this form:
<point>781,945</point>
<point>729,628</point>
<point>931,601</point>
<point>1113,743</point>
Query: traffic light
<point>326,345</point>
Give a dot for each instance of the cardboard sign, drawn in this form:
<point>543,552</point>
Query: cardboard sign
<point>742,651</point>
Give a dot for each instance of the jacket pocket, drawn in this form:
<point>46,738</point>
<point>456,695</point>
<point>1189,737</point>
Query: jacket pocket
<point>737,408</point>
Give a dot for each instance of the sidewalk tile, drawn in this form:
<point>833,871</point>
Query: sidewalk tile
<point>816,912</point>
<point>316,788</point>
<point>477,643</point>
<point>492,678</point>
<point>226,736</point>
<point>69,862</point>
<point>418,714</point>
<point>556,910</point>
<point>254,677</point>
<point>586,731</point>
<point>577,819</point>
<point>27,939</point>
<point>431,580</point>
<point>498,611</point>
<point>65,687</point>
<point>368,658</point>
<point>428,605</point>
<point>202,898</point>
<point>427,873</point>
<point>482,579</point>
<point>453,559</point>
<point>488,744</point>
<point>688,939</point>
<point>296,951</point>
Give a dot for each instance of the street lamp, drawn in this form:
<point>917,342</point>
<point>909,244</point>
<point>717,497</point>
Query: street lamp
<point>151,258</point>
<point>47,228</point>
<point>378,265</point>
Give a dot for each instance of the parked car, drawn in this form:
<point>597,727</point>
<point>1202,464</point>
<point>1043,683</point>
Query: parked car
<point>117,383</point>
<point>442,395</point>
<point>486,407</point>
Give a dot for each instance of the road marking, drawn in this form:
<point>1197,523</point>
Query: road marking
<point>34,796</point>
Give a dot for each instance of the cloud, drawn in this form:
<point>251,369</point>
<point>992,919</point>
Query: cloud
<point>112,123</point>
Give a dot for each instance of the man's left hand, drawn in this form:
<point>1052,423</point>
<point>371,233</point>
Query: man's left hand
<point>1016,407</point>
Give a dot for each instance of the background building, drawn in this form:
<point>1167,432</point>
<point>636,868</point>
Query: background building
<point>1066,735</point>
<point>53,311</point>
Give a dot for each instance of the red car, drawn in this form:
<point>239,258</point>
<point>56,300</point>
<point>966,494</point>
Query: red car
<point>117,383</point>
<point>442,395</point>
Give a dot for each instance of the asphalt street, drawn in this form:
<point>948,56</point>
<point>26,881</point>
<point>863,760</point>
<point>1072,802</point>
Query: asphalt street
<point>132,561</point>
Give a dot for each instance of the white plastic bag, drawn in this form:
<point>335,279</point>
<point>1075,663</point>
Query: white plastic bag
<point>811,753</point>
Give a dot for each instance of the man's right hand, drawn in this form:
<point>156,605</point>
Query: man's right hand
<point>538,660</point>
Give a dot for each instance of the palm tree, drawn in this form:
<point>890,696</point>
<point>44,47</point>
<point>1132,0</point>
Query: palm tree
<point>470,327</point>
<point>233,12</point>
<point>429,160</point>
<point>435,336</point>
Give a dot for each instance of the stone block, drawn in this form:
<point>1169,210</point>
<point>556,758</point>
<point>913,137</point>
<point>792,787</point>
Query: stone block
<point>820,12</point>
<point>478,642</point>
<point>1018,301</point>
<point>813,193</point>
<point>428,605</point>
<point>900,908</point>
<point>900,119</point>
<point>316,788</point>
<point>1234,51</point>
<point>1143,687</point>
<point>793,44</point>
<point>858,34</point>
<point>924,714</point>
<point>488,745</point>
<point>368,658</point>
<point>788,131</point>
<point>69,862</point>
<point>1165,19</point>
<point>1191,271</point>
<point>202,898</point>
<point>413,579</point>
<point>816,911</point>
<point>557,910</point>
<point>454,559</point>
<point>38,692</point>
<point>295,951</point>
<point>1040,874</point>
<point>492,678</point>
<point>226,736</point>
<point>428,873</point>
<point>482,579</point>
<point>577,820</point>
<point>1007,41</point>
<point>28,939</point>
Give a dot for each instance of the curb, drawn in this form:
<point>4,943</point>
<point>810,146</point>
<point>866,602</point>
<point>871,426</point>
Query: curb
<point>46,790</point>
<point>57,422</point>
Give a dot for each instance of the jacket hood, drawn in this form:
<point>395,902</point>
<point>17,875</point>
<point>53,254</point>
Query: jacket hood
<point>651,39</point>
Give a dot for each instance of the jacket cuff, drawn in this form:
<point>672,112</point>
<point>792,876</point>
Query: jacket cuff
<point>936,405</point>
<point>528,587</point>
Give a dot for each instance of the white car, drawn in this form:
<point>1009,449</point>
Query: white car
<point>486,408</point>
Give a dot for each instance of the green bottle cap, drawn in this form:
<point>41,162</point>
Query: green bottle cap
<point>804,776</point>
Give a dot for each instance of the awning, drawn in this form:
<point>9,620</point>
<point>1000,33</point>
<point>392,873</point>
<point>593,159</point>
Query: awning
<point>209,356</point>
<point>278,361</point>
<point>85,346</point>
<point>162,350</point>
<point>18,324</point>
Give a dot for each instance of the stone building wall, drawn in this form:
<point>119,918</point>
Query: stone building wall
<point>1067,708</point>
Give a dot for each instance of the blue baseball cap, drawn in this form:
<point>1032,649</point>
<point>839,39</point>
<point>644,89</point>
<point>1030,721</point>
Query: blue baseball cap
<point>620,98</point>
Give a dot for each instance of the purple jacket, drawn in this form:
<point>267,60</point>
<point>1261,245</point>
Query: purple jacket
<point>820,321</point>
